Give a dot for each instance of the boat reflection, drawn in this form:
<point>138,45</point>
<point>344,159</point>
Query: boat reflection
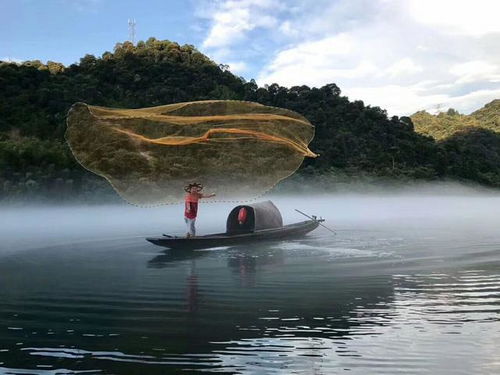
<point>245,262</point>
<point>169,258</point>
<point>245,256</point>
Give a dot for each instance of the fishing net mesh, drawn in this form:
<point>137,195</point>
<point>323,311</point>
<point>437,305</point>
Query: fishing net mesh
<point>236,149</point>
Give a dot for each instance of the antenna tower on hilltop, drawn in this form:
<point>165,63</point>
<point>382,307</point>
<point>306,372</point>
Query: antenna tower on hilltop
<point>131,30</point>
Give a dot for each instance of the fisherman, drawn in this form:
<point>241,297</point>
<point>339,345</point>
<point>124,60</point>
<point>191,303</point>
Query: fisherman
<point>193,195</point>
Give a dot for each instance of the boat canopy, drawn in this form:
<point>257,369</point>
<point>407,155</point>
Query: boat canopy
<point>258,216</point>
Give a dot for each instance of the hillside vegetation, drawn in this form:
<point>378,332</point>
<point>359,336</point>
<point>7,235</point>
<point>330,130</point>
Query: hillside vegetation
<point>471,143</point>
<point>353,139</point>
<point>489,115</point>
<point>446,124</point>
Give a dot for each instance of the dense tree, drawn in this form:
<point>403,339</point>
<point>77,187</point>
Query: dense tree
<point>350,136</point>
<point>474,154</point>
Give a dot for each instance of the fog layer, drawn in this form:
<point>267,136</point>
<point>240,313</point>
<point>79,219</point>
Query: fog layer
<point>463,213</point>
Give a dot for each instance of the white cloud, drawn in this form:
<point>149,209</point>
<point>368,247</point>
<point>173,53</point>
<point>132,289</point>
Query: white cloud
<point>11,60</point>
<point>228,28</point>
<point>477,70</point>
<point>403,67</point>
<point>235,18</point>
<point>405,100</point>
<point>341,44</point>
<point>472,101</point>
<point>401,55</point>
<point>237,66</point>
<point>313,73</point>
<point>399,100</point>
<point>399,58</point>
<point>478,17</point>
<point>287,29</point>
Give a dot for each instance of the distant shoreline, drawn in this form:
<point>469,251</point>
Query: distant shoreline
<point>319,185</point>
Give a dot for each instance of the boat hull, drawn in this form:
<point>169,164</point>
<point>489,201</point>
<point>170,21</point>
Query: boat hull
<point>224,239</point>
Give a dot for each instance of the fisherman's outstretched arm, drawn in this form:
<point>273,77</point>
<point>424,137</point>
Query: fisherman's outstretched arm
<point>208,195</point>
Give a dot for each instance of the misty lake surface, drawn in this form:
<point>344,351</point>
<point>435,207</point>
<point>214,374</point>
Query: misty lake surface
<point>409,284</point>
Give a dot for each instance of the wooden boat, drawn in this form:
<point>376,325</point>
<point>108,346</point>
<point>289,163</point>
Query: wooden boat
<point>263,223</point>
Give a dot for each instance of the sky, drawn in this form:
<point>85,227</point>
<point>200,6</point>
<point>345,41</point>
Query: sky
<point>400,55</point>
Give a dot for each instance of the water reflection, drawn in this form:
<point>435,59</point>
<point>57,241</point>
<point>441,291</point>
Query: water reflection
<point>168,258</point>
<point>461,297</point>
<point>390,298</point>
<point>429,316</point>
<point>245,262</point>
<point>271,299</point>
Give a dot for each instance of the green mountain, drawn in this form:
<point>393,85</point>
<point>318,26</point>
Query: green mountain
<point>489,115</point>
<point>471,143</point>
<point>353,139</point>
<point>445,124</point>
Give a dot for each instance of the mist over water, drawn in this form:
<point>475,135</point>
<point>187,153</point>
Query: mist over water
<point>409,284</point>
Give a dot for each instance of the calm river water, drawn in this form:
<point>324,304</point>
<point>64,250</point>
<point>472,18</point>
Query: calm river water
<point>409,284</point>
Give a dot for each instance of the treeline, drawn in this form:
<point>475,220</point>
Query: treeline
<point>351,137</point>
<point>471,143</point>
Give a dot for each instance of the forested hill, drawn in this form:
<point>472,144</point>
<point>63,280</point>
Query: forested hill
<point>489,115</point>
<point>470,143</point>
<point>446,124</point>
<point>352,138</point>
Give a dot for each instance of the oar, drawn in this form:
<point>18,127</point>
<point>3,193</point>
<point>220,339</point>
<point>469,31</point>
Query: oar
<point>316,220</point>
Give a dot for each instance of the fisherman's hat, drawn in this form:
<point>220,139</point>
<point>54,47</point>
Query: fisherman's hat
<point>188,187</point>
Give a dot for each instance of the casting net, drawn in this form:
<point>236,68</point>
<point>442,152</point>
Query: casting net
<point>236,149</point>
